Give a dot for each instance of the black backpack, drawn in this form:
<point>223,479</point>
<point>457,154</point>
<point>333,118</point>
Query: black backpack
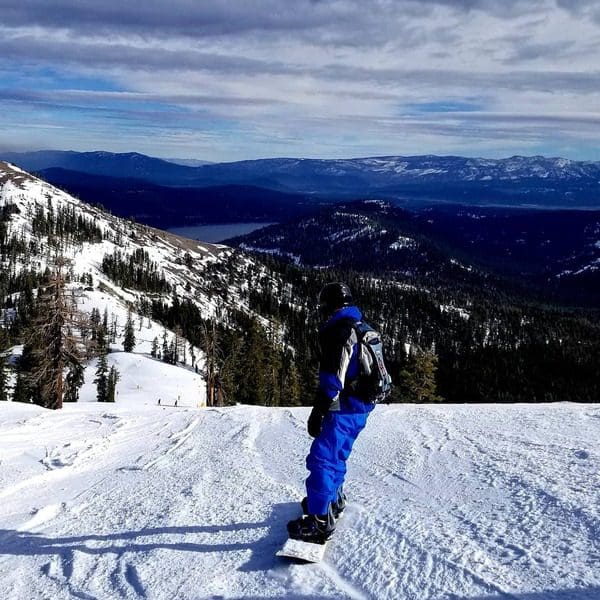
<point>374,383</point>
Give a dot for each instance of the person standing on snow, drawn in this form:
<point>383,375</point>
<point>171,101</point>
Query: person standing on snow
<point>337,417</point>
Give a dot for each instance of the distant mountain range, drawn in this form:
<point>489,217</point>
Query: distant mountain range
<point>122,166</point>
<point>407,180</point>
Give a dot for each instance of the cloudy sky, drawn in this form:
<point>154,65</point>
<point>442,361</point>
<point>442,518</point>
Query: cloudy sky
<point>234,79</point>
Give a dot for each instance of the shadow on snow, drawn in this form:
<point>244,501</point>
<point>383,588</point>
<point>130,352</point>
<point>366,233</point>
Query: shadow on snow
<point>25,543</point>
<point>262,557</point>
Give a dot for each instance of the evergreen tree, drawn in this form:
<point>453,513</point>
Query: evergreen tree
<point>172,353</point>
<point>273,374</point>
<point>129,335</point>
<point>213,361</point>
<point>113,329</point>
<point>178,343</point>
<point>94,322</point>
<point>154,350</point>
<point>74,381</point>
<point>253,374</point>
<point>101,379</point>
<point>3,379</point>
<point>24,390</point>
<point>290,392</point>
<point>101,339</point>
<point>113,377</point>
<point>166,355</point>
<point>3,368</point>
<point>231,371</point>
<point>417,379</point>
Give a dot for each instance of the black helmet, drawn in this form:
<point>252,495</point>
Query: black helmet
<point>333,296</point>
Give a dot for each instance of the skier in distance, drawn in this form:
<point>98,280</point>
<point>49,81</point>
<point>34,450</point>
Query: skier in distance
<point>337,417</point>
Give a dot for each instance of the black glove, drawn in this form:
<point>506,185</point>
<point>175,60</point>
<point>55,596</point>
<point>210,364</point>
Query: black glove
<point>315,422</point>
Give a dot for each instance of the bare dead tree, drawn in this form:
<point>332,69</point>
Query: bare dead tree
<point>55,348</point>
<point>213,363</point>
<point>178,342</point>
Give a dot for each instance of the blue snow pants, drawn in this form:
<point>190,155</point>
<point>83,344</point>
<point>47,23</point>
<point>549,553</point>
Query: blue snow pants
<point>328,454</point>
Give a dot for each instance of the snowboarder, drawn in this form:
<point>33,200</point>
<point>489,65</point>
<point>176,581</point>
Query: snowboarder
<point>337,417</point>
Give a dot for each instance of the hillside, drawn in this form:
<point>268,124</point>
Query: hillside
<point>118,267</point>
<point>166,207</point>
<point>488,343</point>
<point>138,501</point>
<point>27,200</point>
<point>557,252</point>
<point>181,294</point>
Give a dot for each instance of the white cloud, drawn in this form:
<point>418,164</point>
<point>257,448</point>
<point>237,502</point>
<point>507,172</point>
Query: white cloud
<point>331,78</point>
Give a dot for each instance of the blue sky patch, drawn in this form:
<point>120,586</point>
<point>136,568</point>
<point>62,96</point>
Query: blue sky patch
<point>445,106</point>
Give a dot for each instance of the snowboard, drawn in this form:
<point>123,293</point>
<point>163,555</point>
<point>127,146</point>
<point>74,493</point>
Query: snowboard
<point>304,551</point>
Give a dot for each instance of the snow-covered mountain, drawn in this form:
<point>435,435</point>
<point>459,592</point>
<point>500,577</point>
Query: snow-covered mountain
<point>415,180</point>
<point>189,162</point>
<point>28,194</point>
<point>182,269</point>
<point>128,501</point>
<point>23,196</point>
<point>393,168</point>
<point>390,169</point>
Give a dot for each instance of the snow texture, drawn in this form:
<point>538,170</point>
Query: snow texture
<point>133,500</point>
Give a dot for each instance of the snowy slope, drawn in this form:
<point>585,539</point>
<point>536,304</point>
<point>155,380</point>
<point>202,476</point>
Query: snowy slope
<point>201,272</point>
<point>139,501</point>
<point>29,194</point>
<point>196,271</point>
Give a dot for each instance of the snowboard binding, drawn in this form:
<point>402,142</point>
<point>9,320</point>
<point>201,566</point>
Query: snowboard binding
<point>316,529</point>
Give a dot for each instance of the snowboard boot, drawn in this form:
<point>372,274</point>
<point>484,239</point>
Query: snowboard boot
<point>316,529</point>
<point>337,507</point>
<point>304,505</point>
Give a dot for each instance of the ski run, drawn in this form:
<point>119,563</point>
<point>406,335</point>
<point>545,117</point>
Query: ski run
<point>136,500</point>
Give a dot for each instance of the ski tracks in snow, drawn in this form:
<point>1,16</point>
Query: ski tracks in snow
<point>448,505</point>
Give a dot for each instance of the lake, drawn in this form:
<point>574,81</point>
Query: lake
<point>216,233</point>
